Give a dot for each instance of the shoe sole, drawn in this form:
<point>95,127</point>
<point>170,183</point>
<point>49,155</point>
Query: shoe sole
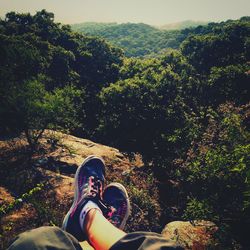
<point>123,189</point>
<point>76,192</point>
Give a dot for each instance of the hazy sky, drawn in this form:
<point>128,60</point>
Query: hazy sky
<point>153,12</point>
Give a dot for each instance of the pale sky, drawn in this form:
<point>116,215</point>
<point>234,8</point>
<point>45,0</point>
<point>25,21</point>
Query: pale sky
<point>154,12</point>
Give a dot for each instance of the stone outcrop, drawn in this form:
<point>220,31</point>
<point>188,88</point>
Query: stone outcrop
<point>195,235</point>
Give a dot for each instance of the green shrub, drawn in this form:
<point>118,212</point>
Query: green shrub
<point>198,210</point>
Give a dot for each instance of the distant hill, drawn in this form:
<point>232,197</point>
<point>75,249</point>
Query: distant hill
<point>143,40</point>
<point>123,29</point>
<point>182,25</point>
<point>136,39</point>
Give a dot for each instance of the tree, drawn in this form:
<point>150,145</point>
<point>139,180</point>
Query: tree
<point>147,112</point>
<point>216,171</point>
<point>31,109</point>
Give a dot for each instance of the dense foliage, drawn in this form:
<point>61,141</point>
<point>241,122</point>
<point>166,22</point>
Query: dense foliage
<point>48,71</point>
<point>185,111</point>
<point>137,40</point>
<point>216,171</point>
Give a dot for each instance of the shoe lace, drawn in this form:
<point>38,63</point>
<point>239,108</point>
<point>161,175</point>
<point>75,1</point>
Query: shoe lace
<point>115,215</point>
<point>94,187</point>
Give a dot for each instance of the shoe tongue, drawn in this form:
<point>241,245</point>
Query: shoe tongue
<point>92,189</point>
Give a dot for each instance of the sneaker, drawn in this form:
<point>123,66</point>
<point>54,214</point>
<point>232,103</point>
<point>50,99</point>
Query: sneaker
<point>89,182</point>
<point>116,196</point>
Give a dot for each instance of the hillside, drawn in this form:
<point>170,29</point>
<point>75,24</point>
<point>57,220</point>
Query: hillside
<point>39,191</point>
<point>142,40</point>
<point>136,40</point>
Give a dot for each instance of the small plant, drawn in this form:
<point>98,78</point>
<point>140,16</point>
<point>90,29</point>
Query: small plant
<point>142,199</point>
<point>198,210</point>
<point>4,209</point>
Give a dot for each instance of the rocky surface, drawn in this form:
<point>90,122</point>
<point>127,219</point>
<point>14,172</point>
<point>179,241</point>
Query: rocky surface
<point>53,166</point>
<point>192,235</point>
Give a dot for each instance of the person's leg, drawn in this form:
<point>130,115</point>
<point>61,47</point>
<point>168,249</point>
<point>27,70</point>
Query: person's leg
<point>145,241</point>
<point>100,232</point>
<point>116,196</point>
<point>89,183</point>
<point>45,238</point>
<point>102,235</point>
<point>89,207</point>
<point>89,180</point>
<point>85,218</point>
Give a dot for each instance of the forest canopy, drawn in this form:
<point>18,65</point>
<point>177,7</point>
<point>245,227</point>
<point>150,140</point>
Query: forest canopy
<point>142,40</point>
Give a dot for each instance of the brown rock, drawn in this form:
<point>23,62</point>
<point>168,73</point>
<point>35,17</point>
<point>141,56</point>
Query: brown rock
<point>196,235</point>
<point>62,186</point>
